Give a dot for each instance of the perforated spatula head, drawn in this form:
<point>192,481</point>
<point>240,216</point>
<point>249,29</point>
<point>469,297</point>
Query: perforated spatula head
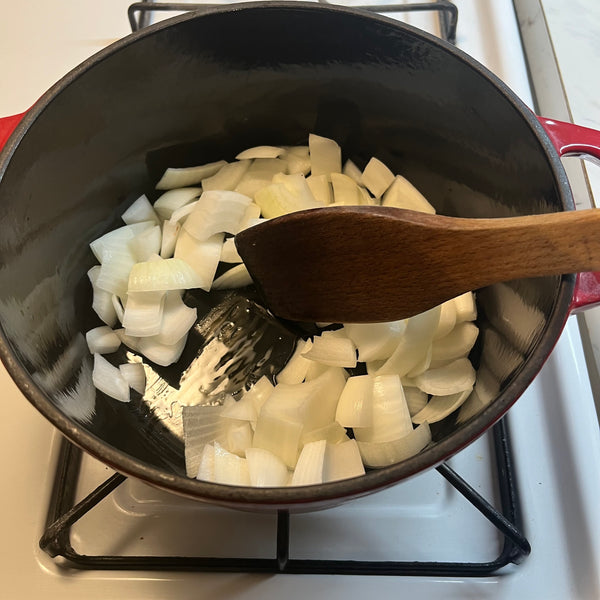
<point>366,264</point>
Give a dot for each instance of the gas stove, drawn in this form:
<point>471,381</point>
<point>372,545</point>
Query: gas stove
<point>515,513</point>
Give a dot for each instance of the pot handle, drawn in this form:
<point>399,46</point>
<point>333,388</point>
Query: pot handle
<point>575,140</point>
<point>7,126</point>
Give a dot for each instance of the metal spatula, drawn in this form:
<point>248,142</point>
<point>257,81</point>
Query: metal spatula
<point>366,264</point>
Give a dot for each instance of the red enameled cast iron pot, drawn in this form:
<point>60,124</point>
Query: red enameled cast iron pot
<point>203,86</point>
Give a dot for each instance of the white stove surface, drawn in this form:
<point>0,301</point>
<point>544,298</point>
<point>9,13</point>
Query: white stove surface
<point>554,431</point>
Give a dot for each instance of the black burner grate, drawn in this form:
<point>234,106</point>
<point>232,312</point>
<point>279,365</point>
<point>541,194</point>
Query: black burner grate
<point>63,513</point>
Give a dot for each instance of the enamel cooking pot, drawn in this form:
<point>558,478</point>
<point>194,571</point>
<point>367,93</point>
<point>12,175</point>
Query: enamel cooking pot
<point>202,87</point>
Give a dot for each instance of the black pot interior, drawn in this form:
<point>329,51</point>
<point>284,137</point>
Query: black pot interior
<point>203,88</point>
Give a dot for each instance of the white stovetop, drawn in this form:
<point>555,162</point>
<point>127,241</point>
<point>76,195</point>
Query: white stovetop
<point>39,42</point>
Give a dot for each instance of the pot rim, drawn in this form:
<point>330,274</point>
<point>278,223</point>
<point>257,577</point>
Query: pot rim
<point>327,493</point>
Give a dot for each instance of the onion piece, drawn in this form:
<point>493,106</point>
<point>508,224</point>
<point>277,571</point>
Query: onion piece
<point>297,159</point>
<point>287,193</point>
<point>101,299</point>
<point>229,253</point>
<point>296,367</point>
<point>260,392</point>
<point>163,275</point>
<point>351,170</point>
<point>202,257</point>
<point>113,276</point>
<point>135,376</point>
<point>141,210</point>
<point>416,399</point>
<point>345,190</point>
<point>342,461</point>
<point>143,313</point>
<point>439,407</point>
<point>260,174</point>
<point>332,433</point>
<point>279,435</point>
<point>102,340</point>
<point>391,418</point>
<point>375,341</point>
<point>466,309</point>
<point>321,189</point>
<point>332,350</point>
<point>228,177</point>
<point>261,152</point>
<point>325,155</point>
<point>206,466</point>
<point>238,437</point>
<point>177,319</point>
<point>161,354</point>
<point>309,468</point>
<point>131,342</point>
<point>236,277</point>
<point>422,366</point>
<point>447,319</point>
<point>184,177</point>
<point>230,469</point>
<point>453,378</point>
<point>383,454</point>
<point>174,199</point>
<point>118,307</point>
<point>457,343</point>
<point>376,177</point>
<point>146,243</point>
<point>117,239</point>
<point>108,379</point>
<point>403,194</point>
<point>265,468</point>
<point>170,233</point>
<point>243,409</point>
<point>355,406</point>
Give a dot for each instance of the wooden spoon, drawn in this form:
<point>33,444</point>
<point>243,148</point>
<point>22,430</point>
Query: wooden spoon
<point>365,264</point>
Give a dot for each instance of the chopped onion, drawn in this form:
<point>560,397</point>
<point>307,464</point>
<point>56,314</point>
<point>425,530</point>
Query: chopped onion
<point>143,313</point>
<point>325,155</point>
<point>265,468</point>
<point>309,469</point>
<point>239,437</point>
<point>457,343</point>
<point>175,199</point>
<point>113,276</point>
<point>297,366</point>
<point>332,350</point>
<point>131,342</point>
<point>342,461</point>
<point>230,469</point>
<point>118,307</point>
<point>163,275</point>
<point>177,319</point>
<point>117,239</point>
<point>146,243</point>
<point>259,392</point>
<point>261,152</point>
<point>170,233</point>
<point>228,177</point>
<point>108,379</point>
<point>375,341</point>
<point>287,193</point>
<point>206,466</point>
<point>135,376</point>
<point>351,170</point>
<point>102,300</point>
<point>229,253</point>
<point>236,277</point>
<point>439,407</point>
<point>243,409</point>
<point>161,354</point>
<point>466,309</point>
<point>345,190</point>
<point>102,340</point>
<point>279,435</point>
<point>415,399</point>
<point>260,174</point>
<point>184,177</point>
<point>455,377</point>
<point>376,177</point>
<point>321,189</point>
<point>355,406</point>
<point>383,454</point>
<point>203,257</point>
<point>447,319</point>
<point>297,159</point>
<point>402,194</point>
<point>332,433</point>
<point>141,210</point>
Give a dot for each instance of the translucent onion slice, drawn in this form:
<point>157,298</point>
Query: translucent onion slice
<point>134,375</point>
<point>229,253</point>
<point>466,309</point>
<point>321,189</point>
<point>143,313</point>
<point>251,214</point>
<point>260,392</point>
<point>391,418</point>
<point>332,433</point>
<point>315,369</point>
<point>453,378</point>
<point>175,199</point>
<point>439,407</point>
<point>265,468</point>
<point>422,366</point>
<point>131,342</point>
<point>375,341</point>
<point>297,159</point>
<point>179,215</point>
<point>108,379</point>
<point>101,299</point>
<point>278,435</point>
<point>228,177</point>
<point>118,307</point>
<point>447,319</point>
<point>243,409</point>
<point>309,469</point>
<point>203,257</point>
<point>177,319</point>
<point>230,469</point>
<point>342,461</point>
<point>351,170</point>
<point>457,343</point>
<point>403,194</point>
<point>416,399</point>
<point>238,437</point>
<point>170,233</point>
<point>217,211</point>
<point>184,177</point>
<point>261,152</point>
<point>345,190</point>
<point>163,275</point>
<point>376,177</point>
<point>355,406</point>
<point>383,454</point>
<point>296,367</point>
<point>141,210</point>
<point>332,350</point>
<point>117,239</point>
<point>113,276</point>
<point>102,340</point>
<point>236,277</point>
<point>146,243</point>
<point>325,155</point>
<point>161,354</point>
<point>260,174</point>
<point>287,193</point>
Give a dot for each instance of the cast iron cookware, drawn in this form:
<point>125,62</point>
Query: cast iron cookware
<point>202,87</point>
